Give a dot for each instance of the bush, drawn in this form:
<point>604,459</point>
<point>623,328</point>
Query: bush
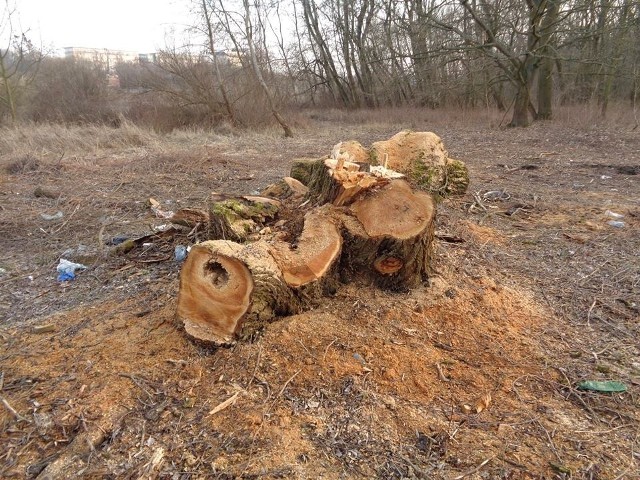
<point>71,91</point>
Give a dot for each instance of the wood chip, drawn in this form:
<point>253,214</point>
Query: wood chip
<point>50,327</point>
<point>483,403</point>
<point>227,403</point>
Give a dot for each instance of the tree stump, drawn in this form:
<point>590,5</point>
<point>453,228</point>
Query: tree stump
<point>351,222</point>
<point>388,234</point>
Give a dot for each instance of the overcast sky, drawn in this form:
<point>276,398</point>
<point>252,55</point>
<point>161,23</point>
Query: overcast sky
<point>137,25</point>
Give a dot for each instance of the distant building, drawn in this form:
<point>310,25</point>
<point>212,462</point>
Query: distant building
<point>108,58</point>
<point>148,57</point>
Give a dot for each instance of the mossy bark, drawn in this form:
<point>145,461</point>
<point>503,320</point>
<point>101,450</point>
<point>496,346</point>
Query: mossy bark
<point>235,218</point>
<point>457,177</point>
<point>302,168</point>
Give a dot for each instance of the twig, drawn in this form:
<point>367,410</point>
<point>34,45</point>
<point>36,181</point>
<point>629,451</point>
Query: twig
<point>227,403</point>
<point>12,410</point>
<point>326,350</point>
<point>287,383</point>
<point>135,380</point>
<point>255,368</point>
<point>474,470</point>
<point>477,201</point>
<point>67,220</point>
<point>595,300</point>
<point>441,373</point>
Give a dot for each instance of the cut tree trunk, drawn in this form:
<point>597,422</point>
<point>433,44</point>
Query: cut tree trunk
<point>312,257</point>
<point>229,291</point>
<point>236,218</point>
<point>362,223</point>
<point>388,234</point>
<point>339,182</point>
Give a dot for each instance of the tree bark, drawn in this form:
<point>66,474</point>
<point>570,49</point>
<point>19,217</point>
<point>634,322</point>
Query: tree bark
<point>236,218</point>
<point>521,107</point>
<point>545,78</point>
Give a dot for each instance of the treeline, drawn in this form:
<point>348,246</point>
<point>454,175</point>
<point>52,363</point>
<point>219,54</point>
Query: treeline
<point>256,61</point>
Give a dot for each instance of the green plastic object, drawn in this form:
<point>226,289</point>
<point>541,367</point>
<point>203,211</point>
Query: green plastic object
<point>604,387</point>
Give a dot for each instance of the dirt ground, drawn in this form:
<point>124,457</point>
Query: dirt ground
<point>533,292</point>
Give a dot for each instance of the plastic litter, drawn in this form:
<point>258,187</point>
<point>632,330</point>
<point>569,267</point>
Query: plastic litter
<point>67,270</point>
<point>56,216</point>
<point>611,214</point>
<point>359,358</point>
<point>117,240</point>
<point>180,253</point>
<point>602,386</point>
<point>496,195</point>
<point>616,223</point>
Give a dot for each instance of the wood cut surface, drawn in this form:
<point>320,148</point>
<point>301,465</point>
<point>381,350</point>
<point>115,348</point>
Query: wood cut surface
<point>394,210</point>
<point>215,291</point>
<point>406,147</point>
<point>317,249</point>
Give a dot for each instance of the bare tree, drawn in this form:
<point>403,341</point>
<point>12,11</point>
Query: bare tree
<point>206,16</point>
<point>257,71</point>
<point>19,60</point>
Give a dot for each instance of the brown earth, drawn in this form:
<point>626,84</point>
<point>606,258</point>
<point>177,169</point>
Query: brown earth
<point>533,292</point>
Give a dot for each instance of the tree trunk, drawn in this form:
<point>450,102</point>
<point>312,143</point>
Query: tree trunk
<point>258,73</point>
<point>229,291</point>
<point>521,107</point>
<point>545,78</point>
<point>216,66</point>
<point>388,237</point>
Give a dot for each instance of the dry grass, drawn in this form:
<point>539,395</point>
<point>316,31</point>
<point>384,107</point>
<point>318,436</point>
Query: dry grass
<point>51,141</point>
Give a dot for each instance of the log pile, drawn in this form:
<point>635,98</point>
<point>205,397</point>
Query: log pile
<point>338,219</point>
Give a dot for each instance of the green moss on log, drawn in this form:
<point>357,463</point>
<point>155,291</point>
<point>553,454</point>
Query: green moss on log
<point>302,168</point>
<point>457,179</point>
